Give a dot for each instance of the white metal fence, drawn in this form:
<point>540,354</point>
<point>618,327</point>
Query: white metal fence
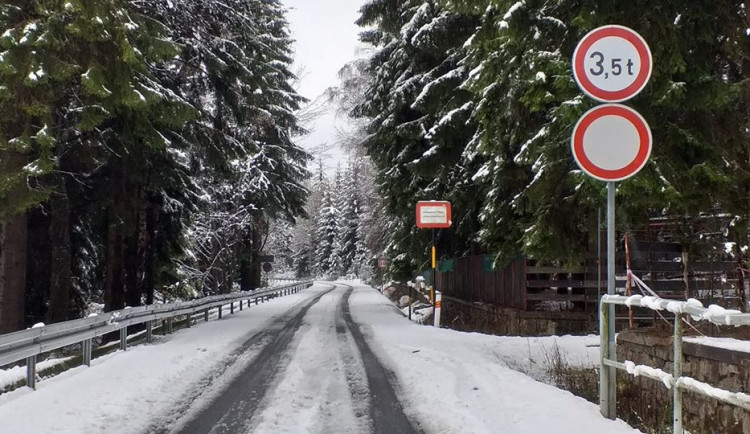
<point>675,381</point>
<point>29,344</point>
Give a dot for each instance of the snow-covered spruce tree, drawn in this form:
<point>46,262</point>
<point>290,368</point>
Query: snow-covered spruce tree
<point>235,66</point>
<point>539,202</point>
<point>76,76</point>
<point>26,106</point>
<point>280,244</point>
<point>420,122</point>
<point>306,228</point>
<point>349,219</point>
<point>326,261</point>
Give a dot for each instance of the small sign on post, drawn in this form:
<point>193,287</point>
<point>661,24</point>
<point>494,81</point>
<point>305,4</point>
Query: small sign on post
<point>433,214</point>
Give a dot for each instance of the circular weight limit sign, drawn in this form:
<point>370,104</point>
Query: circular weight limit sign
<point>611,142</point>
<point>612,63</point>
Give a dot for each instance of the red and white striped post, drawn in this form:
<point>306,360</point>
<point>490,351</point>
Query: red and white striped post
<point>438,299</point>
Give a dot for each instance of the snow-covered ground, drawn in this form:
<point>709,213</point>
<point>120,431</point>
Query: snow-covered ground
<point>450,382</point>
<point>456,382</point>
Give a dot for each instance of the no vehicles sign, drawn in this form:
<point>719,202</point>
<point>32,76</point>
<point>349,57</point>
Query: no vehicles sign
<point>611,142</point>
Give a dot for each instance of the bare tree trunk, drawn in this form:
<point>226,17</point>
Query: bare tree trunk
<point>114,288</point>
<point>60,272</point>
<point>131,243</point>
<point>246,274</point>
<point>13,237</point>
<point>13,248</point>
<point>255,253</point>
<point>741,279</point>
<point>686,272</point>
<point>149,266</point>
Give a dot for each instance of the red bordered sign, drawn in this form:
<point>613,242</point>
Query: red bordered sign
<point>611,142</point>
<point>433,214</point>
<point>612,63</point>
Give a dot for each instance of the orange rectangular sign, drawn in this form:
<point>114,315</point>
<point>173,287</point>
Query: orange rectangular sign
<point>433,214</point>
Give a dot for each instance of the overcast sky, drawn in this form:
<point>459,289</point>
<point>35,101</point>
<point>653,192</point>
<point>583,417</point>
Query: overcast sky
<point>326,39</point>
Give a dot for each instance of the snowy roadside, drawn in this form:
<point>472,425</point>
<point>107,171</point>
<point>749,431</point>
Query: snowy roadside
<point>125,392</point>
<point>464,382</point>
<point>15,374</point>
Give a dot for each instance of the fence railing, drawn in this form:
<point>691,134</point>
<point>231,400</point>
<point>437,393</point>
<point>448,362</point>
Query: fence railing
<point>29,344</point>
<point>675,381</point>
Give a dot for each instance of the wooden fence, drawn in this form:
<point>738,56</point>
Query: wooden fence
<point>523,285</point>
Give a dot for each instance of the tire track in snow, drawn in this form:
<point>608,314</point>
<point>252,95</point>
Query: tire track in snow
<point>233,409</point>
<point>386,411</point>
<point>313,393</point>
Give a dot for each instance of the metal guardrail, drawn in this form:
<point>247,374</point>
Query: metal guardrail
<point>675,381</point>
<point>29,344</point>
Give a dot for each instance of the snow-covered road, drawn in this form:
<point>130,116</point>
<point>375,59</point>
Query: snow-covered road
<point>332,359</point>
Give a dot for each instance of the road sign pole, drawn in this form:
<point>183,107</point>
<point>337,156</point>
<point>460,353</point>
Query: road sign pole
<point>609,379</point>
<point>434,273</point>
<point>611,143</point>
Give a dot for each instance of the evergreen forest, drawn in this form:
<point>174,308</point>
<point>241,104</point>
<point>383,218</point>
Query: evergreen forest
<point>148,148</point>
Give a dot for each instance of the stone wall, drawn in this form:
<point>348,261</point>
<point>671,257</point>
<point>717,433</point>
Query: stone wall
<point>718,367</point>
<point>485,318</point>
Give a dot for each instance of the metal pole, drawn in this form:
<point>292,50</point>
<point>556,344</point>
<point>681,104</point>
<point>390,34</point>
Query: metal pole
<point>149,331</point>
<point>124,338</point>
<point>87,352</point>
<point>31,371</point>
<point>599,250</point>
<point>611,344</point>
<point>411,299</point>
<point>603,354</point>
<point>434,274</point>
<point>677,401</point>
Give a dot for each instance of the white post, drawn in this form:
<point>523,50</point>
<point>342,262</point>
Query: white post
<point>438,298</point>
<point>677,397</point>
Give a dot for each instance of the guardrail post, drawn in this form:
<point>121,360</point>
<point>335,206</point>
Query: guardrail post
<point>124,338</point>
<point>87,352</point>
<point>169,325</point>
<point>241,301</point>
<point>606,390</point>
<point>149,331</point>
<point>677,401</point>
<point>31,371</point>
<point>205,315</point>
<point>220,312</point>
<point>189,318</point>
<point>231,307</point>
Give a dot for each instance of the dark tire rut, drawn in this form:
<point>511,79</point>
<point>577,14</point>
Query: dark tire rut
<point>233,409</point>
